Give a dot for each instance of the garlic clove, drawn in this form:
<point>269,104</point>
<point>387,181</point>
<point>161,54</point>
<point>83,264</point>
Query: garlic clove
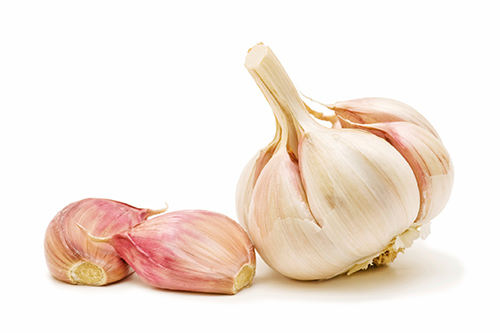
<point>429,160</point>
<point>71,257</point>
<point>282,227</point>
<point>248,178</point>
<point>191,250</point>
<point>363,201</point>
<point>416,140</point>
<point>342,172</point>
<point>378,110</point>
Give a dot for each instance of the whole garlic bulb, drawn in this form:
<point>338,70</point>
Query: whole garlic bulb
<point>73,258</point>
<point>319,201</point>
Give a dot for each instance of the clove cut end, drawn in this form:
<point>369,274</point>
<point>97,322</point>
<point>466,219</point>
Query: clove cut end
<point>244,278</point>
<point>88,273</point>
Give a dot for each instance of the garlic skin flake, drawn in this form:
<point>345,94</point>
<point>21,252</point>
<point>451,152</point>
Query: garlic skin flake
<point>190,250</point>
<point>322,201</point>
<point>73,258</point>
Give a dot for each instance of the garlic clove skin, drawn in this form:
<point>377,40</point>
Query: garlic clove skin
<point>367,204</point>
<point>343,170</point>
<point>191,250</point>
<point>247,180</point>
<point>351,188</point>
<point>429,160</point>
<point>245,189</point>
<point>373,110</point>
<point>279,213</point>
<point>416,140</point>
<point>71,257</point>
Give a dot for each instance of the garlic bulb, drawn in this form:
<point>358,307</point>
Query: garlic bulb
<point>71,257</point>
<point>193,250</point>
<point>319,201</point>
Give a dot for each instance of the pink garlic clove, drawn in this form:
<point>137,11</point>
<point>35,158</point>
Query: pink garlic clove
<point>71,257</point>
<point>190,250</point>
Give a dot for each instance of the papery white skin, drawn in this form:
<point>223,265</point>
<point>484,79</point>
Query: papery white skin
<point>415,139</point>
<point>314,233</point>
<point>249,177</point>
<point>371,110</point>
<point>330,201</point>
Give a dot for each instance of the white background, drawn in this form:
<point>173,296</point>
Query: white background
<point>148,102</point>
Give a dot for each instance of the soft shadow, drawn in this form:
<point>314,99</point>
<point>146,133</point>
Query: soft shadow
<point>135,280</point>
<point>419,271</point>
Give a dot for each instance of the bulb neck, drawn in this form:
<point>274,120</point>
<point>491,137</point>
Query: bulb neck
<point>281,94</point>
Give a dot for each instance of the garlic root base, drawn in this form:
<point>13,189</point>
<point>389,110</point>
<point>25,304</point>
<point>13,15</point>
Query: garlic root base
<point>396,246</point>
<point>386,257</point>
<point>88,273</point>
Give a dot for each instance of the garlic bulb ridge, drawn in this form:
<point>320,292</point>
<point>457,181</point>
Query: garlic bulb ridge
<point>319,201</point>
